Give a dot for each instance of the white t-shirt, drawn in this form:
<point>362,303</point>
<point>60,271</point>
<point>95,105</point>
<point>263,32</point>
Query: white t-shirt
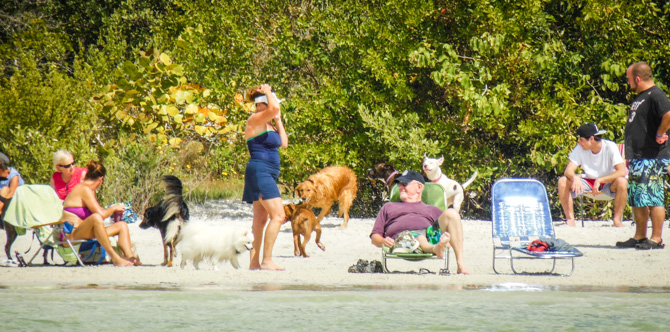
<point>598,164</point>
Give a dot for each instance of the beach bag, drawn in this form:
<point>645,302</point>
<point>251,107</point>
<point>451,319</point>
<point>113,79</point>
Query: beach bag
<point>128,215</point>
<point>91,252</point>
<point>405,243</point>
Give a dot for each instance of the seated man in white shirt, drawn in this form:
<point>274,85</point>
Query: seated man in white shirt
<point>604,172</point>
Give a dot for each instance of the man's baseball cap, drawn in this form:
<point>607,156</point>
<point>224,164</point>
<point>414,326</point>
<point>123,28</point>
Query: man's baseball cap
<point>409,176</point>
<point>589,129</point>
<point>4,158</point>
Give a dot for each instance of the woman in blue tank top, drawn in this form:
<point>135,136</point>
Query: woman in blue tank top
<point>262,172</point>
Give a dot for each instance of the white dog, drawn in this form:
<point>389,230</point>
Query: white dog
<point>453,189</point>
<point>218,243</point>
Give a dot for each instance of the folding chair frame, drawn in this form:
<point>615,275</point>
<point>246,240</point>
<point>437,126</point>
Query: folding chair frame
<point>415,257</point>
<point>394,196</point>
<point>57,231</point>
<point>553,255</point>
<point>505,246</point>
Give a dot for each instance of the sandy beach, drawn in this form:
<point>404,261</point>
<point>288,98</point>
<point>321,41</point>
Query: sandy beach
<point>603,267</point>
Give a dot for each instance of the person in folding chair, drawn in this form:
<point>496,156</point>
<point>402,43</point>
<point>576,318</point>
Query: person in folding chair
<point>421,220</point>
<point>10,179</point>
<point>604,172</point>
<point>83,211</point>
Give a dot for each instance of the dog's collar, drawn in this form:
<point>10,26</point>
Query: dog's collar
<point>438,179</point>
<point>390,176</point>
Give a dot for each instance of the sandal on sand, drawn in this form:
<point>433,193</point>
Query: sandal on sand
<point>630,243</point>
<point>649,244</point>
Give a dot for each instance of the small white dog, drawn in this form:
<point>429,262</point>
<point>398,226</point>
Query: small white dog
<point>453,189</point>
<point>218,243</point>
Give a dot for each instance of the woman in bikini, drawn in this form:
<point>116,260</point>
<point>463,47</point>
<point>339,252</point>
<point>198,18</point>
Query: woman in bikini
<point>83,211</point>
<point>262,172</point>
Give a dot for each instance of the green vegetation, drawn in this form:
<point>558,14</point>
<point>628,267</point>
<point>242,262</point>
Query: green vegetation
<point>154,87</point>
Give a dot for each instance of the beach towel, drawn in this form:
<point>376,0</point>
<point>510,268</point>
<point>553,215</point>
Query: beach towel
<point>557,244</point>
<point>405,243</point>
<point>33,204</point>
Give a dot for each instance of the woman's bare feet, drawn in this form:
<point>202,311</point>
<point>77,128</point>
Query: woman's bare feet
<point>439,247</point>
<point>121,262</point>
<point>254,266</point>
<point>135,261</point>
<point>462,270</point>
<point>271,266</point>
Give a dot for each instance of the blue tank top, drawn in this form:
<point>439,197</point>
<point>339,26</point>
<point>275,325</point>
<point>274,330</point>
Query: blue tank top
<point>4,182</point>
<point>265,146</point>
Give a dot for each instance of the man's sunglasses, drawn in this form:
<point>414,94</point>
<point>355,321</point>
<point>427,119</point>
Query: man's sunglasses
<point>66,166</point>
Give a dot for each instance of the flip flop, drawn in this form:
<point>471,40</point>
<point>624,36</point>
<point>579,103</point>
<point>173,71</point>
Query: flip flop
<point>649,244</point>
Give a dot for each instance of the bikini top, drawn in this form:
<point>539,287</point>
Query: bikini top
<point>265,146</point>
<point>81,212</point>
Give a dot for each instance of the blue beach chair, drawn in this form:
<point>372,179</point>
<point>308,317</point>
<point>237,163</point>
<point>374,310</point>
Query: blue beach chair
<point>520,214</point>
<point>433,194</point>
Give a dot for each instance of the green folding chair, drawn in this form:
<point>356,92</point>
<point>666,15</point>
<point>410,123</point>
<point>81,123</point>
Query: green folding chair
<point>433,194</point>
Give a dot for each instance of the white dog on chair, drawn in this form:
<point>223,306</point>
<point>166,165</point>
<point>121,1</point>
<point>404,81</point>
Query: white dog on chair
<point>453,189</point>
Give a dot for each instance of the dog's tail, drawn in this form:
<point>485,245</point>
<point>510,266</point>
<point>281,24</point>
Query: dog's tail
<point>173,203</point>
<point>470,180</point>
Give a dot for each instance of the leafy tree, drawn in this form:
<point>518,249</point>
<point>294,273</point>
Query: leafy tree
<point>495,86</point>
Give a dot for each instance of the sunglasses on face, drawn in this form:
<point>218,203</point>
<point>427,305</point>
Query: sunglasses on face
<point>66,166</point>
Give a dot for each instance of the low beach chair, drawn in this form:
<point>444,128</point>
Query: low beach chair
<point>433,194</point>
<point>35,207</point>
<point>520,214</point>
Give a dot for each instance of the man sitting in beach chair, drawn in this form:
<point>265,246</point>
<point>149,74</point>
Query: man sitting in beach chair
<point>411,214</point>
<point>604,173</point>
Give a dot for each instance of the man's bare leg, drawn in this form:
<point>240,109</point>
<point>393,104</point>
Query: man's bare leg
<point>438,248</point>
<point>450,221</point>
<point>620,189</point>
<point>657,218</point>
<point>641,215</point>
<point>564,185</point>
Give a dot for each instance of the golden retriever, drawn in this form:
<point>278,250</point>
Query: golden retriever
<point>303,222</point>
<point>321,190</point>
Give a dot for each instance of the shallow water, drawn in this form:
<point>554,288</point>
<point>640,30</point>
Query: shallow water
<point>267,307</point>
<point>496,308</point>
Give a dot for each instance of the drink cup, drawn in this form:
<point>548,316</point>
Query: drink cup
<point>118,215</point>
